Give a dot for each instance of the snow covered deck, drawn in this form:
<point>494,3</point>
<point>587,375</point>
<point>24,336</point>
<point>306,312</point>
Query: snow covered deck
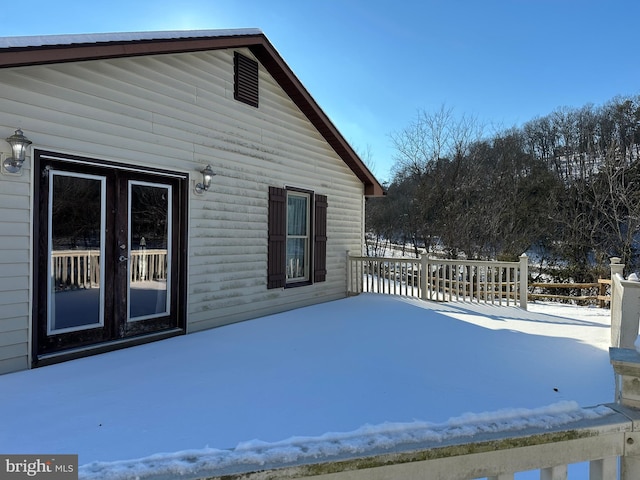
<point>361,365</point>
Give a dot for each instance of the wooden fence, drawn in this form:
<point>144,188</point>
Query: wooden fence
<point>581,292</point>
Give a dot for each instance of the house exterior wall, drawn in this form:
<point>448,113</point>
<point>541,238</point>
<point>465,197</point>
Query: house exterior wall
<point>177,112</point>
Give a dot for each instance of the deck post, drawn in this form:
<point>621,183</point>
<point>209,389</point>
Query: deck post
<point>524,280</point>
<point>626,366</point>
<point>615,306</point>
<point>625,307</point>
<point>424,273</point>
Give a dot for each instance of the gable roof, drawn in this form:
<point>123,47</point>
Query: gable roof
<point>40,50</point>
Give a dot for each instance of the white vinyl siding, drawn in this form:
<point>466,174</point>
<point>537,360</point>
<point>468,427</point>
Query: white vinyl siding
<point>178,112</point>
<point>15,251</point>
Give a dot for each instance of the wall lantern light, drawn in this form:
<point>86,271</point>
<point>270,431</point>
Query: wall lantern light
<point>19,144</point>
<point>207,175</point>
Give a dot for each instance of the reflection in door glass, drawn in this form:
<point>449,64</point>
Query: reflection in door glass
<point>76,230</point>
<point>149,250</point>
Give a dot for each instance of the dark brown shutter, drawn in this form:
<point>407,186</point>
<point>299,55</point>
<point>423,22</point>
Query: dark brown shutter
<point>320,239</point>
<point>277,238</point>
<point>245,79</point>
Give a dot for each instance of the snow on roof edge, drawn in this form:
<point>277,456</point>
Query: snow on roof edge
<point>70,39</point>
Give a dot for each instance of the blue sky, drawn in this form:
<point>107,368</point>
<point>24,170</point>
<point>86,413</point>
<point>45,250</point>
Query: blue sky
<point>373,64</point>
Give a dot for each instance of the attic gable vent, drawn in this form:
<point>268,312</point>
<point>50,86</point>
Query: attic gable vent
<point>246,79</point>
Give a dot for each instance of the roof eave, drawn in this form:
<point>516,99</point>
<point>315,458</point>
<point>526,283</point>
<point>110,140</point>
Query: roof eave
<point>74,52</point>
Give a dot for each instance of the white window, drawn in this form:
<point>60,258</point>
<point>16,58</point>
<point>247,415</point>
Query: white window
<point>298,236</point>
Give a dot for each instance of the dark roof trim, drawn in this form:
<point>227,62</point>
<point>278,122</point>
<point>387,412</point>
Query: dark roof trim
<point>59,49</point>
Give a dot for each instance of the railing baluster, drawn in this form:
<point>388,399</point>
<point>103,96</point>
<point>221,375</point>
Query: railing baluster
<point>406,272</point>
<point>456,280</point>
<point>603,469</point>
<point>500,283</point>
<point>494,272</point>
<point>554,473</point>
<point>509,286</point>
<point>485,290</point>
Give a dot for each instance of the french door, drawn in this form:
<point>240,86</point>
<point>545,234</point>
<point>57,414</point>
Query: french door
<point>110,255</point>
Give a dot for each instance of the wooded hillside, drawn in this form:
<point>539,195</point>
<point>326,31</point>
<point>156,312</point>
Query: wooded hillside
<point>565,186</point>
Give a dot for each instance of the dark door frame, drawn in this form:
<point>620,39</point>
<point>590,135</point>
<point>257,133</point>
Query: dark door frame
<point>109,339</point>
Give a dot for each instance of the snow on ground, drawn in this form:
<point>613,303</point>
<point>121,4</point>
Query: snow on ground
<point>371,366</point>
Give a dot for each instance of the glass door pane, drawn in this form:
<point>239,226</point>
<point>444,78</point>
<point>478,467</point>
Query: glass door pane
<point>297,236</point>
<point>75,292</point>
<point>149,274</point>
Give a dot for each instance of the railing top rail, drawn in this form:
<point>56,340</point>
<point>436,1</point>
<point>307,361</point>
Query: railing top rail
<point>472,262</point>
<point>384,259</point>
<point>627,283</point>
<point>71,253</point>
<point>604,433</point>
<point>436,260</point>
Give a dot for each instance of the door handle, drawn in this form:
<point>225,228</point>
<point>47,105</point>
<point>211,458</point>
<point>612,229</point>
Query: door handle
<point>122,258</point>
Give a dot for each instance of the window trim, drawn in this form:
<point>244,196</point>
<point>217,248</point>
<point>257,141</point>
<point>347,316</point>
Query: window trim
<point>308,256</point>
<point>276,238</point>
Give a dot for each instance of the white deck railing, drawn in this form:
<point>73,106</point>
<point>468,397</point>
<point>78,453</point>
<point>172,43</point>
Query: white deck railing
<point>148,264</point>
<point>607,447</point>
<point>502,283</point>
<point>81,268</point>
<point>75,268</point>
<point>596,443</point>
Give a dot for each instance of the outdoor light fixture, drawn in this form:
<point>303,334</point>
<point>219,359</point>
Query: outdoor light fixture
<point>207,175</point>
<point>19,144</point>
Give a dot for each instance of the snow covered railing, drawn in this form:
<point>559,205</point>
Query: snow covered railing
<point>501,283</point>
<point>490,445</point>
